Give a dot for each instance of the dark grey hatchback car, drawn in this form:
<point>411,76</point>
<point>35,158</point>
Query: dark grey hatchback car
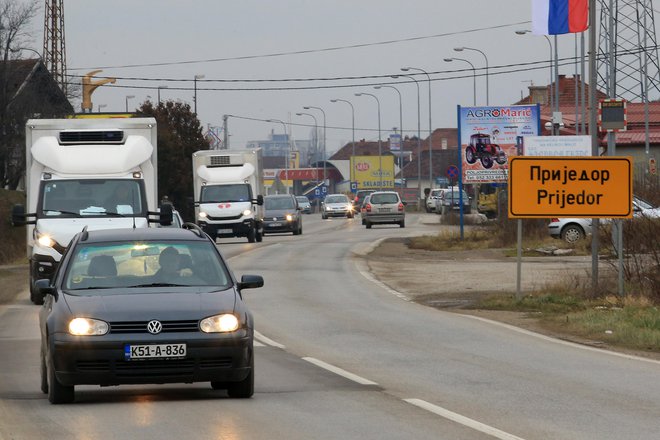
<point>145,306</point>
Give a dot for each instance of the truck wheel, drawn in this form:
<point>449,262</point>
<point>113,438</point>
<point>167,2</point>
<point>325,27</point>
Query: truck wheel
<point>252,235</point>
<point>259,237</point>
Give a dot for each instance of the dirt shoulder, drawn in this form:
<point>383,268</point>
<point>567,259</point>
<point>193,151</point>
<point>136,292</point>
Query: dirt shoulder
<point>455,280</point>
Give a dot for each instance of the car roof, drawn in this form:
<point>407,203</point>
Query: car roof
<point>142,234</point>
<point>278,196</point>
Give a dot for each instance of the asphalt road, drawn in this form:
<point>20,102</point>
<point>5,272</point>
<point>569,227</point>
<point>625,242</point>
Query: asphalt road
<point>342,356</point>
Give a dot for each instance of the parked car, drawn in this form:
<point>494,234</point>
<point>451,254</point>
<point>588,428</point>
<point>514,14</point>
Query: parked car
<point>336,205</point>
<point>305,205</point>
<point>385,207</point>
<point>145,306</point>
<point>450,201</point>
<point>359,197</point>
<point>282,214</point>
<point>573,230</point>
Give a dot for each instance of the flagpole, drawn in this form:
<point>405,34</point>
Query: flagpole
<point>593,131</point>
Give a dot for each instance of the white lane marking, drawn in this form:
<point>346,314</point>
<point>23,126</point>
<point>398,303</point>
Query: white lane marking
<point>382,285</point>
<point>267,341</point>
<point>561,341</point>
<point>339,371</point>
<point>465,421</point>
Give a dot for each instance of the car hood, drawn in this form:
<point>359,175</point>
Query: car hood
<point>337,205</point>
<point>158,305</point>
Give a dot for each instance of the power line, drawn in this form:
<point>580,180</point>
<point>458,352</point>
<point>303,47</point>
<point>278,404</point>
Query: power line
<point>309,51</point>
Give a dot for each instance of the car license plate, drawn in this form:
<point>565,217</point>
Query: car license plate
<point>384,209</point>
<point>159,351</point>
<point>225,231</point>
<point>275,225</point>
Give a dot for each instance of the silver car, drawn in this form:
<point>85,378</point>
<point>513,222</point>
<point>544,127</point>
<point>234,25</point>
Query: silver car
<point>573,230</point>
<point>384,207</point>
<point>336,205</point>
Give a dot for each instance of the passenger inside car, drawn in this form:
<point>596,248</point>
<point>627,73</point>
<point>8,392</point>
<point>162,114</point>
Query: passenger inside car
<point>169,265</point>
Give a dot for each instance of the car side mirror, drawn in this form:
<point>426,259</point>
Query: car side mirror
<point>260,200</point>
<point>43,287</point>
<point>18,215</point>
<point>251,282</point>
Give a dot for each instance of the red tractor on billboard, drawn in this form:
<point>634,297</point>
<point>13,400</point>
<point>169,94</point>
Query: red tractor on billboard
<point>481,148</point>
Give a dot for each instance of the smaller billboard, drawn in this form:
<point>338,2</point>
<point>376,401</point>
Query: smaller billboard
<point>557,146</point>
<point>373,172</point>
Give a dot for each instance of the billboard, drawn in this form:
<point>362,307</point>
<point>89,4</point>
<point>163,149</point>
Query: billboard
<point>367,175</point>
<point>557,146</point>
<point>488,136</point>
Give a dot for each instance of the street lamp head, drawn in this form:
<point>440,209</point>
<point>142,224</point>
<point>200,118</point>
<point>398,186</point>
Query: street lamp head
<point>449,60</point>
<point>378,87</point>
<point>306,107</point>
<point>459,49</point>
<point>130,96</point>
<point>523,31</point>
<point>299,114</point>
<point>333,100</point>
<point>200,76</point>
<point>358,94</point>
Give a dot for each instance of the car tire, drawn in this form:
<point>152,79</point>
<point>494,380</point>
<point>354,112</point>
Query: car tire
<point>259,236</point>
<point>367,224</point>
<point>571,234</point>
<point>245,388</point>
<point>252,235</point>
<point>402,224</point>
<point>58,393</point>
<point>297,229</point>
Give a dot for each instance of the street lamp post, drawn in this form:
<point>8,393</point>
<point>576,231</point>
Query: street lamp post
<point>474,78</point>
<point>288,147</point>
<point>195,96</point>
<point>461,49</point>
<point>419,137</point>
<point>307,107</point>
<point>552,104</point>
<point>400,126</point>
<point>127,98</point>
<point>352,131</point>
<point>316,133</point>
<point>428,77</point>
<point>380,148</point>
<point>160,87</point>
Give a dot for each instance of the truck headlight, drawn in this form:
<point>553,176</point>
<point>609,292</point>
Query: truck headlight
<point>202,214</point>
<point>45,240</point>
<point>247,212</point>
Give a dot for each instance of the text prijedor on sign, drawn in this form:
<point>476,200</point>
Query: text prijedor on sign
<point>590,187</point>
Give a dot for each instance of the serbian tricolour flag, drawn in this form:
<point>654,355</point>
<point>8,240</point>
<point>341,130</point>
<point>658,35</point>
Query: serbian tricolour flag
<point>552,17</point>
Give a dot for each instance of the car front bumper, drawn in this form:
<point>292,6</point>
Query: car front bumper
<point>209,357</point>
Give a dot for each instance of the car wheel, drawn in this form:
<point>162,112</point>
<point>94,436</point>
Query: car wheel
<point>572,234</point>
<point>58,393</point>
<point>245,388</point>
<point>259,236</point>
<point>402,224</point>
<point>367,224</point>
<point>296,229</point>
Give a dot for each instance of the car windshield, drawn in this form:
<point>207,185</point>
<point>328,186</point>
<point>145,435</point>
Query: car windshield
<point>336,199</point>
<point>379,199</point>
<point>92,197</point>
<point>272,203</point>
<point>226,193</point>
<point>145,264</point>
<point>455,195</point>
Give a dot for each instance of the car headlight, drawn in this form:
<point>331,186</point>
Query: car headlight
<point>202,214</point>
<point>289,217</point>
<point>226,322</point>
<point>88,327</point>
<point>247,212</point>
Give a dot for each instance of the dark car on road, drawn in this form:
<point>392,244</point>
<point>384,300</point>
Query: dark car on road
<point>282,214</point>
<point>145,306</point>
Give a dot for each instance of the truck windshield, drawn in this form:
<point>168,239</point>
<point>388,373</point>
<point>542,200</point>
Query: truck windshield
<point>226,193</point>
<point>92,197</point>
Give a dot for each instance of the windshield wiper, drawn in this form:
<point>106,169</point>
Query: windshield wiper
<point>160,285</point>
<point>113,214</point>
<point>77,214</point>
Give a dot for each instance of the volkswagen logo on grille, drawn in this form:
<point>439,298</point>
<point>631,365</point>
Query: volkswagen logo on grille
<point>154,327</point>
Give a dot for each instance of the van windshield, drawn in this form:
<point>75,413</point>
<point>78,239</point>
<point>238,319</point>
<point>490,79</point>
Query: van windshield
<point>92,197</point>
<point>226,193</point>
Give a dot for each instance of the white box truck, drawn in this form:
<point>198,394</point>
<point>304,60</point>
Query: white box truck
<point>228,193</point>
<point>99,173</point>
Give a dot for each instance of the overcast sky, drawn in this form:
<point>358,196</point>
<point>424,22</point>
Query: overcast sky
<point>368,40</point>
